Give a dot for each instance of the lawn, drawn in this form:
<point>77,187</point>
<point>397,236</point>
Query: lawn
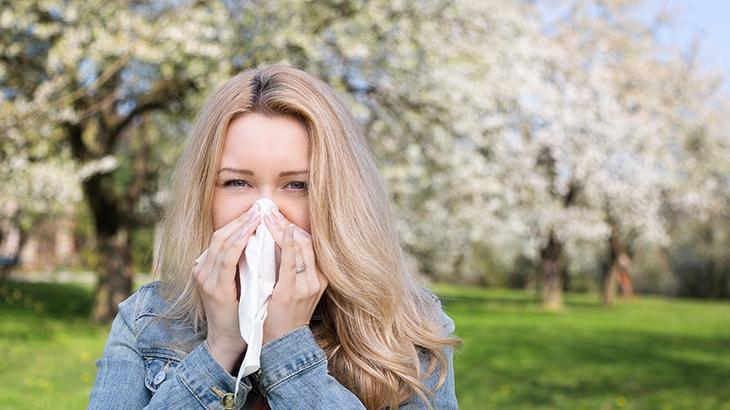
<point>47,345</point>
<point>652,353</point>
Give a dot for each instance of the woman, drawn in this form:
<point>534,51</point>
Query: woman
<point>347,326</point>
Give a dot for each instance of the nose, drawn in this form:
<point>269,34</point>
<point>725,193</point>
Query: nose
<point>264,197</point>
<point>264,192</point>
<point>265,205</point>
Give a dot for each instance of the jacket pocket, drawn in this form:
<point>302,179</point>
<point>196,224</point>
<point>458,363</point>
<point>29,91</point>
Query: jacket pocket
<point>158,369</point>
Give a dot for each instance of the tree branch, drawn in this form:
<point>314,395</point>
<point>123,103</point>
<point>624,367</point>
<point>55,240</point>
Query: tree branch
<point>162,93</point>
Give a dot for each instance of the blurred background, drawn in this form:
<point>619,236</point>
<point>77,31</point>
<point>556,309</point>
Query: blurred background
<point>563,165</point>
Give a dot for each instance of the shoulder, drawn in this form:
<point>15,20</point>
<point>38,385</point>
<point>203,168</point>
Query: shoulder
<point>437,312</point>
<point>148,313</point>
<point>147,301</point>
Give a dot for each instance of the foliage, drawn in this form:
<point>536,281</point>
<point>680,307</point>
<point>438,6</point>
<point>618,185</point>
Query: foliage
<point>502,127</point>
<point>89,77</point>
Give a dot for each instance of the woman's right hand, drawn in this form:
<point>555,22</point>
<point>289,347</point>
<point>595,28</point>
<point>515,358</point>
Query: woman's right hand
<point>217,285</point>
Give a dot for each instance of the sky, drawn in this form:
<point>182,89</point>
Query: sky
<point>707,20</point>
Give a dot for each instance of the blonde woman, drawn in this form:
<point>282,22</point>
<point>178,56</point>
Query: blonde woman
<point>347,326</point>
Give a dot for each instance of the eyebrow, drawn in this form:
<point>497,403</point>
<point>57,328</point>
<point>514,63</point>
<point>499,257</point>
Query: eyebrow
<point>248,172</point>
<point>289,173</point>
<point>236,171</point>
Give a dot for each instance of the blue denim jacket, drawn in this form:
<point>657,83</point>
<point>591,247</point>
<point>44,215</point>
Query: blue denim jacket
<point>141,368</point>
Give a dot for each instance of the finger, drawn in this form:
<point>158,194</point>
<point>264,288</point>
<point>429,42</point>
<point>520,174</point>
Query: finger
<point>223,234</point>
<point>231,251</point>
<point>276,223</point>
<point>299,255</point>
<point>305,250</point>
<point>222,238</point>
<point>231,254</point>
<point>220,260</point>
<point>213,256</point>
<point>278,218</point>
<point>288,257</point>
<point>197,269</point>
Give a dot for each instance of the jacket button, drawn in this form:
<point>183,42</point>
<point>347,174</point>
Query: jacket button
<point>159,377</point>
<point>229,401</point>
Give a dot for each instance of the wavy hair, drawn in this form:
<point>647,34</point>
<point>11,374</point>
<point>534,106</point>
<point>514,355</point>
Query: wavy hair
<point>378,328</point>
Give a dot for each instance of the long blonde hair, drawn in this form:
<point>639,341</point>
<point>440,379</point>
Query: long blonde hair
<point>376,325</point>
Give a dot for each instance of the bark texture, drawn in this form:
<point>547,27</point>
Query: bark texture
<point>550,294</point>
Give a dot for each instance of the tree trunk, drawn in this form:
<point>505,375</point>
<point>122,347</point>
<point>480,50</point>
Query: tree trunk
<point>114,215</point>
<point>115,255</point>
<point>115,275</point>
<point>617,271</point>
<point>609,287</point>
<point>550,292</point>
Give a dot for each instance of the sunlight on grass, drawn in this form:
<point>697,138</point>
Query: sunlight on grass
<point>47,346</point>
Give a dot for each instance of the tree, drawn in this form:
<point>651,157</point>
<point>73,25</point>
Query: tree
<point>594,161</point>
<point>697,201</point>
<point>491,120</point>
<point>559,132</point>
<point>34,186</point>
<point>92,72</point>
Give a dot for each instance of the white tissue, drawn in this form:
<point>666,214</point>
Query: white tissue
<point>257,268</point>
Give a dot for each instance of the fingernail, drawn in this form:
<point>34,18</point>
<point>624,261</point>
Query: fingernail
<point>291,230</point>
<point>305,233</point>
<point>254,215</point>
<point>271,217</point>
<point>277,213</point>
<point>249,211</point>
<point>243,232</point>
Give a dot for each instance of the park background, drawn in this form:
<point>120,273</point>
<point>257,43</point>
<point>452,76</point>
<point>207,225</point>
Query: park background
<point>537,152</point>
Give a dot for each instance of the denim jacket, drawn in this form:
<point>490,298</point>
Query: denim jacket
<point>141,368</point>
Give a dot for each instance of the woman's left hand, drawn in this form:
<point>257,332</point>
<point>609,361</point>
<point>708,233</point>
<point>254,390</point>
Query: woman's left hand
<point>296,294</point>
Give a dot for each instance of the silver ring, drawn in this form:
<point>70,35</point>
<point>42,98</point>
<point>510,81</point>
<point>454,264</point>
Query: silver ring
<point>301,268</point>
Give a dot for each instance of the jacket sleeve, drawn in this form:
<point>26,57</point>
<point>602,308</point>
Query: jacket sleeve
<point>125,379</point>
<point>294,375</point>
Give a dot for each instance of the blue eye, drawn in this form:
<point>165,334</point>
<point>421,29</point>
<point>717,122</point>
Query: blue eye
<point>236,183</point>
<point>298,185</point>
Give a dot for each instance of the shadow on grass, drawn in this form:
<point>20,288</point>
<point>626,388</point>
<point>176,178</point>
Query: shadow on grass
<point>55,300</point>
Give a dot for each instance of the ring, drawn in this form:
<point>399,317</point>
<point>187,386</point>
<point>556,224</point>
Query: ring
<point>300,268</point>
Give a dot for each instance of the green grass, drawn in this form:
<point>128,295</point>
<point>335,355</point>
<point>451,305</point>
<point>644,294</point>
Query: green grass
<point>652,353</point>
<point>47,345</point>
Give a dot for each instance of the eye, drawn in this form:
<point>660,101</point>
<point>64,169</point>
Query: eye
<point>235,183</point>
<point>298,185</point>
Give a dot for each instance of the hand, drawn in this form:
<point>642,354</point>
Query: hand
<point>296,294</point>
<point>217,283</point>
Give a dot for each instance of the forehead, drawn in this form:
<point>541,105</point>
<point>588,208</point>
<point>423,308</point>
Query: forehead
<point>257,139</point>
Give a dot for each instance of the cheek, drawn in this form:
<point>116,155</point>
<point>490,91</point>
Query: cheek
<point>298,215</point>
<point>226,209</point>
